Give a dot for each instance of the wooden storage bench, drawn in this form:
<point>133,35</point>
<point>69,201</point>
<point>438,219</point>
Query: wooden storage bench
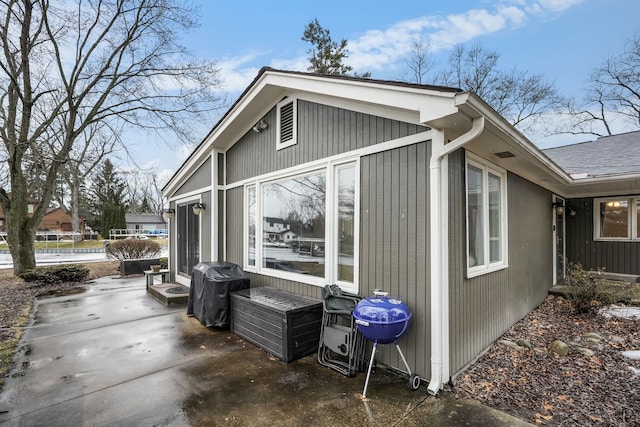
<point>284,324</point>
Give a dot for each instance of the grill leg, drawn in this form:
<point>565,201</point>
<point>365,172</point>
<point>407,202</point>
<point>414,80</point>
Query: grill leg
<point>366,383</point>
<point>403,359</point>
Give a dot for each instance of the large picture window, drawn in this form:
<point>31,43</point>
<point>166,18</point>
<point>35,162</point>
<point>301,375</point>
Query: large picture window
<point>617,218</point>
<point>293,227</point>
<point>303,226</point>
<point>486,218</point>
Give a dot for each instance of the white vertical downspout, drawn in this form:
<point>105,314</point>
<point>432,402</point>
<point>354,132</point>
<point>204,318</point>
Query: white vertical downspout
<point>439,244</point>
<point>215,233</point>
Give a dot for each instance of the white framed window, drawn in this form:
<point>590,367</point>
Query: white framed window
<point>303,226</point>
<point>486,190</point>
<point>250,225</point>
<point>617,218</point>
<point>287,119</point>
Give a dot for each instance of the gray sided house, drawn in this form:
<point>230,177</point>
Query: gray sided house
<point>603,220</point>
<point>145,222</point>
<point>422,191</point>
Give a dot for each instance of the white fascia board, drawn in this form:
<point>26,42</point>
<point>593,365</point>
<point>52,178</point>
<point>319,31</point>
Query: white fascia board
<point>215,138</point>
<point>415,105</point>
<point>619,185</point>
<point>473,101</point>
<point>371,97</point>
<point>185,171</point>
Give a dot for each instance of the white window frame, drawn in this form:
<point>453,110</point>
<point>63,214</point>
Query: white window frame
<point>294,139</point>
<point>246,227</point>
<point>331,169</point>
<point>632,219</point>
<point>486,168</point>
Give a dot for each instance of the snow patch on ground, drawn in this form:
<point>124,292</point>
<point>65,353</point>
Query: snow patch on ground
<point>621,311</point>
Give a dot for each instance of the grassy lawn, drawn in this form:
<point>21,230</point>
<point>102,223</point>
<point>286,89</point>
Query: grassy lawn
<point>85,244</point>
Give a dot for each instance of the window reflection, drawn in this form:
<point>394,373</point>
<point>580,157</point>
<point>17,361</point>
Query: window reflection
<point>251,202</point>
<point>293,229</point>
<point>476,221</point>
<point>614,219</point>
<point>346,222</point>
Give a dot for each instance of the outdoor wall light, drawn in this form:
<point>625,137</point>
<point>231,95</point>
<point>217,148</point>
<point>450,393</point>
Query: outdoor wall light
<point>260,126</point>
<point>168,213</point>
<point>558,206</point>
<point>197,208</point>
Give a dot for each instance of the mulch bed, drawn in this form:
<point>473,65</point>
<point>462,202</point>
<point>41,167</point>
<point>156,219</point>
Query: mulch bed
<point>544,388</point>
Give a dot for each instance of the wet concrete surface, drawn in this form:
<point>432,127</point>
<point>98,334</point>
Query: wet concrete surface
<point>112,355</point>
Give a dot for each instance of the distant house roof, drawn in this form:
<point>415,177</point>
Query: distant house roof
<point>144,219</point>
<point>607,155</point>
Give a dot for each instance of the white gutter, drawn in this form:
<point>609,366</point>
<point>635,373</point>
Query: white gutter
<point>439,212</point>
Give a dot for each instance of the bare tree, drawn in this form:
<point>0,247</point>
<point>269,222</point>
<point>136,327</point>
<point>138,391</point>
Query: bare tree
<point>520,97</point>
<point>613,95</point>
<point>419,61</point>
<point>92,147</point>
<point>66,66</point>
<point>144,191</point>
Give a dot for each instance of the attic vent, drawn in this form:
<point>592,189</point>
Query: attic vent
<point>287,120</point>
<point>505,154</point>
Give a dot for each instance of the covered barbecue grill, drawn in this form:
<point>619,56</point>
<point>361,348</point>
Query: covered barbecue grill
<point>211,284</point>
<point>383,320</point>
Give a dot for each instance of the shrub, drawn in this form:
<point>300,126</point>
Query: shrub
<point>164,262</point>
<point>132,249</point>
<point>56,274</point>
<point>586,289</point>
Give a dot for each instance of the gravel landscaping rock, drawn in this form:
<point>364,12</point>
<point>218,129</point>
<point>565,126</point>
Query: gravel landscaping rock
<point>593,385</point>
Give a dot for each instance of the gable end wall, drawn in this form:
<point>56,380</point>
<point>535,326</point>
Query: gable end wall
<point>323,131</point>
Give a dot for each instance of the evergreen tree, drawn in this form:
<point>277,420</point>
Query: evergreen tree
<point>327,56</point>
<point>109,204</point>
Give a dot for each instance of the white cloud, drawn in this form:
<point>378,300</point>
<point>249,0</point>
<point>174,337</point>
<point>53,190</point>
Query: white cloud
<point>237,72</point>
<point>379,49</point>
<point>556,6</point>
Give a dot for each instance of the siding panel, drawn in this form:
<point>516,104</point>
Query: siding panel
<point>482,308</point>
<point>201,178</point>
<point>322,131</point>
<point>394,253</point>
<point>234,225</point>
<point>614,257</point>
<point>396,260</point>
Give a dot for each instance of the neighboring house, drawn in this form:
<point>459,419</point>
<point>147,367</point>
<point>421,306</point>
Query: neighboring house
<point>58,220</point>
<point>145,222</point>
<point>423,191</point>
<point>276,229</point>
<point>55,220</point>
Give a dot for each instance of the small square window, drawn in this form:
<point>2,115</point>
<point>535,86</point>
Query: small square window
<point>616,218</point>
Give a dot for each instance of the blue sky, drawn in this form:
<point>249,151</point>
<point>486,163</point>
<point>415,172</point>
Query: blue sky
<point>564,40</point>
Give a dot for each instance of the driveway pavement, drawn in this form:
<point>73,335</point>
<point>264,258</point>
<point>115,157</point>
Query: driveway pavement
<point>112,355</point>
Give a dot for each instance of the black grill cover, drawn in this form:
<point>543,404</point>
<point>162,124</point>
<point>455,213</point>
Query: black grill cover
<point>211,284</point>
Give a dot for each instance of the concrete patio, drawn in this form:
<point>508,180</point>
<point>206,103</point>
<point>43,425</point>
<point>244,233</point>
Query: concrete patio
<point>112,355</point>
